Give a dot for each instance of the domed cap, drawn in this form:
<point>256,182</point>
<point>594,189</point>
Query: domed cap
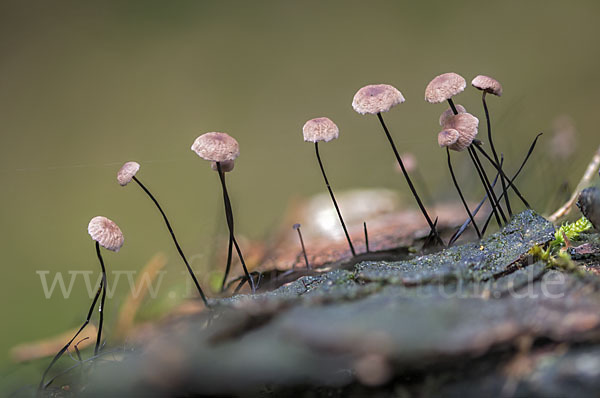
<point>320,129</point>
<point>226,166</point>
<point>376,98</point>
<point>126,173</point>
<point>449,112</point>
<point>466,124</point>
<point>216,147</point>
<point>444,87</point>
<point>106,233</point>
<point>448,137</point>
<point>487,84</point>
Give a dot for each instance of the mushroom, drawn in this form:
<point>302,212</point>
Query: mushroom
<point>297,228</point>
<point>323,129</point>
<point>443,88</point>
<point>375,99</point>
<point>449,138</point>
<point>222,149</point>
<point>125,175</point>
<point>108,235</point>
<point>492,86</point>
<point>105,233</point>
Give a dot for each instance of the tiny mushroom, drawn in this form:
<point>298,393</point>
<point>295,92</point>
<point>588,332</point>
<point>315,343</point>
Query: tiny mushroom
<point>107,234</point>
<point>492,86</point>
<point>487,84</point>
<point>466,126</point>
<point>444,87</point>
<point>375,99</point>
<point>324,129</point>
<point>127,172</point>
<point>125,175</point>
<point>221,150</point>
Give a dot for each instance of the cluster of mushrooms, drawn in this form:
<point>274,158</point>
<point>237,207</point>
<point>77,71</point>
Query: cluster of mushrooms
<point>459,129</point>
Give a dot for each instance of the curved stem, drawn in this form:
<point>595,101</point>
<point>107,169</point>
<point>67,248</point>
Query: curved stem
<point>337,209</point>
<point>66,347</point>
<point>489,129</point>
<point>531,148</point>
<point>502,173</point>
<point>487,182</point>
<point>179,250</point>
<point>409,182</point>
<point>462,198</point>
<point>228,266</point>
<point>303,248</point>
<point>229,216</point>
<point>492,202</point>
<point>464,226</point>
<point>102,300</point>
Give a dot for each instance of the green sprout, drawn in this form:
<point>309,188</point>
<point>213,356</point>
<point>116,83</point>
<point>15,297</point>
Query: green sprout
<point>571,231</point>
<point>553,254</point>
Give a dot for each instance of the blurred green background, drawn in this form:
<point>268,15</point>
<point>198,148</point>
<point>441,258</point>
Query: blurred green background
<point>86,86</point>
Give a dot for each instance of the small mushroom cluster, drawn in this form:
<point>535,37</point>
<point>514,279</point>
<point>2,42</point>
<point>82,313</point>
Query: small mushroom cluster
<point>459,129</point>
<point>458,133</point>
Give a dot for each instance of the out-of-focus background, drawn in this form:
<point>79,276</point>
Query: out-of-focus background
<point>87,86</point>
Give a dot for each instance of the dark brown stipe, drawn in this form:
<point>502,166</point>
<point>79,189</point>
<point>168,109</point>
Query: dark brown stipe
<point>243,279</point>
<point>462,198</point>
<point>297,228</point>
<point>452,106</point>
<point>487,182</point>
<point>337,209</point>
<point>229,216</point>
<point>102,300</point>
<point>179,250</point>
<point>366,236</point>
<point>529,152</point>
<point>502,173</point>
<point>228,266</point>
<point>487,191</point>
<point>464,226</point>
<point>482,176</point>
<point>66,347</point>
<point>489,129</point>
<point>437,238</point>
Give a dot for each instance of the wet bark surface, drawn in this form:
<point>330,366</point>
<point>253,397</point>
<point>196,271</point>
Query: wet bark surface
<point>473,320</point>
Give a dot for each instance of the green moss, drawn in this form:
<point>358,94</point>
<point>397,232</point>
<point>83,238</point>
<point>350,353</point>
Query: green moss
<point>571,231</point>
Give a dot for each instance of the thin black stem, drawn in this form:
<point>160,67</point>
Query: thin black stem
<point>487,181</point>
<point>454,110</point>
<point>464,226</point>
<point>80,364</point>
<point>462,198</point>
<point>438,240</point>
<point>229,216</point>
<point>366,235</point>
<point>492,202</point>
<point>102,300</point>
<point>529,152</point>
<point>179,250</point>
<point>66,347</point>
<point>502,173</point>
<point>489,129</point>
<point>337,209</point>
<point>303,248</point>
<point>230,225</point>
<point>228,266</point>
